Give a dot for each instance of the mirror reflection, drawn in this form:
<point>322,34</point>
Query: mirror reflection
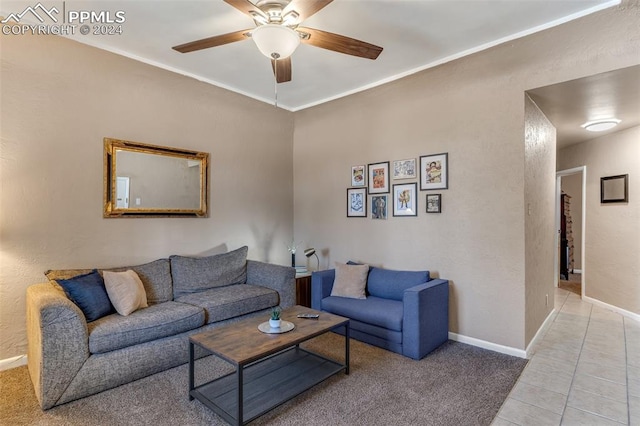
<point>149,180</point>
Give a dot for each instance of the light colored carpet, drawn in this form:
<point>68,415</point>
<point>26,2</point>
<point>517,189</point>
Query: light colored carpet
<point>457,384</point>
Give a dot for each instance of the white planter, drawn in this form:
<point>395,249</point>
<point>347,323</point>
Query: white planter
<point>274,323</point>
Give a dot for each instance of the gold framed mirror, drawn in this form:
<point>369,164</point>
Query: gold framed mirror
<point>142,180</point>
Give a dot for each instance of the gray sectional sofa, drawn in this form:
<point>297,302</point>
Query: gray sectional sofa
<point>70,358</point>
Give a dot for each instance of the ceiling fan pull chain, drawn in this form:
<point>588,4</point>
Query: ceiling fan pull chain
<point>275,72</point>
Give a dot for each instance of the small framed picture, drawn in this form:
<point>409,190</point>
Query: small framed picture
<point>404,169</point>
<point>356,202</point>
<point>405,202</point>
<point>434,172</point>
<point>434,203</point>
<point>614,189</point>
<point>358,176</point>
<point>379,178</point>
<point>378,207</point>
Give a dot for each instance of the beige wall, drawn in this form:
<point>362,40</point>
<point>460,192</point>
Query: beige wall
<point>572,185</point>
<point>472,108</point>
<point>539,209</point>
<point>612,235</point>
<point>59,99</point>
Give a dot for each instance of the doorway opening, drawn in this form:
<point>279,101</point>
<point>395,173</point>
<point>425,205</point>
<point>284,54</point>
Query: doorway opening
<point>570,226</point>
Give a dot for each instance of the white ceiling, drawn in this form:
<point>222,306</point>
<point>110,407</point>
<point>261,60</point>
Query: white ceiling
<point>415,34</point>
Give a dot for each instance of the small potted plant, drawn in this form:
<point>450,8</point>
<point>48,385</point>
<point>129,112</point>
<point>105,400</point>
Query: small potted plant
<point>274,322</point>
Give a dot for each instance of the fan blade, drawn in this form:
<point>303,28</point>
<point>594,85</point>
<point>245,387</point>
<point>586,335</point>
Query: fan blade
<point>246,7</point>
<point>283,73</point>
<point>304,8</point>
<point>214,41</point>
<point>340,43</point>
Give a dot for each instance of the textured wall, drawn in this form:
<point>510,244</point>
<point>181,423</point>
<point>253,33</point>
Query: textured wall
<point>59,99</point>
<point>539,209</point>
<point>472,108</point>
<point>572,185</point>
<point>612,234</point>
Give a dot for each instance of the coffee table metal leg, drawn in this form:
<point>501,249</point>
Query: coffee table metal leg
<point>346,347</point>
<point>240,397</point>
<point>191,366</point>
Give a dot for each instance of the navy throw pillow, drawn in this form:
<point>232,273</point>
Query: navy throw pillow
<point>89,294</point>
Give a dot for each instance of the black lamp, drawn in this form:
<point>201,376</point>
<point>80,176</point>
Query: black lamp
<point>311,252</point>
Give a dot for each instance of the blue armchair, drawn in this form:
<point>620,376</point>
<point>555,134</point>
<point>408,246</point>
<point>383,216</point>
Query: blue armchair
<point>406,312</point>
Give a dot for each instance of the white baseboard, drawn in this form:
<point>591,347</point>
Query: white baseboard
<point>616,309</point>
<point>577,271</point>
<point>488,345</point>
<point>540,333</point>
<point>16,361</point>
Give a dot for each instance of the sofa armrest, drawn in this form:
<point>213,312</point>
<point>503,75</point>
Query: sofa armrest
<point>321,285</point>
<point>58,342</point>
<point>276,277</point>
<point>425,322</point>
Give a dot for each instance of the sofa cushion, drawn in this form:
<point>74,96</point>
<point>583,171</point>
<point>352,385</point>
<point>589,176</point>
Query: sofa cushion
<point>161,320</point>
<point>155,276</point>
<point>195,274</point>
<point>390,284</point>
<point>221,303</point>
<point>350,281</point>
<point>89,294</point>
<point>373,330</point>
<point>125,291</point>
<point>384,313</point>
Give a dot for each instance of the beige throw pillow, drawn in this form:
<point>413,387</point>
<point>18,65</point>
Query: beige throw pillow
<point>350,281</point>
<point>125,291</point>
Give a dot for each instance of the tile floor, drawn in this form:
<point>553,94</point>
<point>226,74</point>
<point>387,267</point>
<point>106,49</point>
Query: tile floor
<point>584,371</point>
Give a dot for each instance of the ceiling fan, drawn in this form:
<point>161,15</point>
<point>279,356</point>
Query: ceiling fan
<point>277,33</point>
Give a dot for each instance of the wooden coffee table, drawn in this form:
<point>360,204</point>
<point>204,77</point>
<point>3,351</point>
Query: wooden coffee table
<point>270,368</point>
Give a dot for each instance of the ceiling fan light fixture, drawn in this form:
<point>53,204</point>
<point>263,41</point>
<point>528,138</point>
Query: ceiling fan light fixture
<point>601,125</point>
<point>275,41</point>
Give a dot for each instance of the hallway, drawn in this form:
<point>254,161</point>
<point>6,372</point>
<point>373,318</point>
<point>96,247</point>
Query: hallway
<point>584,371</point>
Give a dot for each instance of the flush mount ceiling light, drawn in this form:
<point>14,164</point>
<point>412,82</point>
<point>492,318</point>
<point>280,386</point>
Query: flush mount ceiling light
<point>275,41</point>
<point>601,125</point>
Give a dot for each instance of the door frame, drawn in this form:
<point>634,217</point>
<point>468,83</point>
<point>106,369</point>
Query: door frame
<point>559,175</point>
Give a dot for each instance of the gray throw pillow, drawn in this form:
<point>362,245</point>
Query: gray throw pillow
<point>195,274</point>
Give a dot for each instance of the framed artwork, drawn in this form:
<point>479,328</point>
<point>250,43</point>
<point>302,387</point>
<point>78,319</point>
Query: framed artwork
<point>404,169</point>
<point>434,203</point>
<point>379,178</point>
<point>614,189</point>
<point>358,176</point>
<point>434,171</point>
<point>356,202</point>
<point>378,207</point>
<point>405,202</point>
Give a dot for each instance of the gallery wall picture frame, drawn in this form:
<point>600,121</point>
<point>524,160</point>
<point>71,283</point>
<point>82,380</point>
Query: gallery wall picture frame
<point>614,189</point>
<point>379,207</point>
<point>359,175</point>
<point>379,178</point>
<point>404,169</point>
<point>434,171</point>
<point>405,202</point>
<point>356,202</point>
<point>434,203</point>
